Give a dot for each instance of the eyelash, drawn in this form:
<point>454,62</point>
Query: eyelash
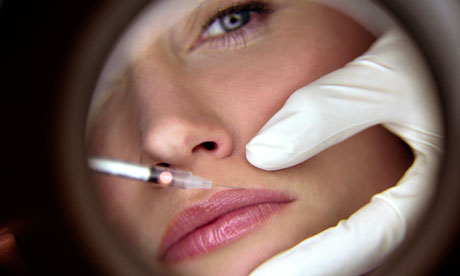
<point>257,10</point>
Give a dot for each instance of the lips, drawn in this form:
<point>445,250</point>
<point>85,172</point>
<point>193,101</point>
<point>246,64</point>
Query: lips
<point>221,219</point>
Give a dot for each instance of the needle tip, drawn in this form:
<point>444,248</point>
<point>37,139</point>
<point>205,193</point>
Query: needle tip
<point>228,187</point>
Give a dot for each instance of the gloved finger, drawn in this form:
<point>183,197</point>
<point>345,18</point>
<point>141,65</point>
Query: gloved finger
<point>357,245</point>
<point>387,84</point>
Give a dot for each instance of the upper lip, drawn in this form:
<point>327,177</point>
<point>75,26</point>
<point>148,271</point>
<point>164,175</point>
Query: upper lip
<point>217,205</point>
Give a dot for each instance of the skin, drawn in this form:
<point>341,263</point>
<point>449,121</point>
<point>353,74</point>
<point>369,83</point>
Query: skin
<point>178,94</point>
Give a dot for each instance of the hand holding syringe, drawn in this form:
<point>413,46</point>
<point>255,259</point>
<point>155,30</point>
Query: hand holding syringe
<point>162,176</point>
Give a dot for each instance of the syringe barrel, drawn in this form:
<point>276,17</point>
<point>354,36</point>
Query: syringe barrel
<point>186,180</point>
<point>119,168</point>
<point>163,176</point>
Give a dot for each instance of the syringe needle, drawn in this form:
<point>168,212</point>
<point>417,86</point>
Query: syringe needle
<point>229,187</point>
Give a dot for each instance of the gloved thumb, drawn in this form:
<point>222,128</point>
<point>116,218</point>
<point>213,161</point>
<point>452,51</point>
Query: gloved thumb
<point>386,85</point>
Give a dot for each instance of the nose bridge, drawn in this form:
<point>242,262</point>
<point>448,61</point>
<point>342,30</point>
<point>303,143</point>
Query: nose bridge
<point>162,90</point>
<point>178,125</point>
<point>156,75</point>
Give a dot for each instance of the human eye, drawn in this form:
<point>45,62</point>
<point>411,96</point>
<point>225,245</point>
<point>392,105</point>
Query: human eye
<point>233,25</point>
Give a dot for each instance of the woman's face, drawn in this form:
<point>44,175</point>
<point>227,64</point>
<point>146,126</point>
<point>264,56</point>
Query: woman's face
<point>194,96</point>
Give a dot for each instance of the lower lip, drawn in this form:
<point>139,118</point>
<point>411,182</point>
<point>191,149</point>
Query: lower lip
<point>221,231</point>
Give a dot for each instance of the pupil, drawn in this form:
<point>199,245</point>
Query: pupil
<point>235,21</point>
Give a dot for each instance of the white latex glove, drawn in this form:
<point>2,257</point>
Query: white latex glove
<point>389,85</point>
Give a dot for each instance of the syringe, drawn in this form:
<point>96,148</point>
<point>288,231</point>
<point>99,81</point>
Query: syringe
<point>162,176</point>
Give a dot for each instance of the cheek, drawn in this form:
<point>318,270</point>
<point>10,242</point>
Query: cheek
<point>251,87</point>
<point>247,86</point>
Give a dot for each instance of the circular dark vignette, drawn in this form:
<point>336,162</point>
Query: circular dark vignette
<point>52,53</point>
<point>435,250</point>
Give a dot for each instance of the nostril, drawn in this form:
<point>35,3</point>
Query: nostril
<point>206,145</point>
<point>163,165</point>
<point>209,145</point>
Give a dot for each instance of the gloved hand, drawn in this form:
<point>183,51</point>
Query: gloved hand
<point>389,85</point>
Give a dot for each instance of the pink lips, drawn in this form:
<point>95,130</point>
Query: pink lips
<point>224,217</point>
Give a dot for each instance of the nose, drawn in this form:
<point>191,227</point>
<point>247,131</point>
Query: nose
<point>181,140</point>
<point>179,126</point>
